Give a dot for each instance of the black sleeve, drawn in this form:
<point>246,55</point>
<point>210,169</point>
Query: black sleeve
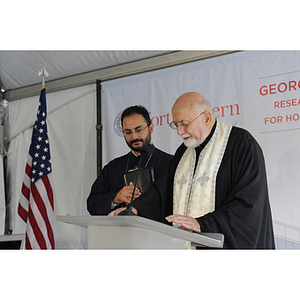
<point>105,188</point>
<point>242,211</point>
<point>99,202</point>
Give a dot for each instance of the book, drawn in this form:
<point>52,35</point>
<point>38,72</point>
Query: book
<point>145,178</point>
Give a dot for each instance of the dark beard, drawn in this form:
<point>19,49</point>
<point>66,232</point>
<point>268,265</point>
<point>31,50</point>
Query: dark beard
<point>145,141</point>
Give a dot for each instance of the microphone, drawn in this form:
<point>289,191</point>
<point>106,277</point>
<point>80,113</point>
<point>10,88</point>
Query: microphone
<point>145,151</point>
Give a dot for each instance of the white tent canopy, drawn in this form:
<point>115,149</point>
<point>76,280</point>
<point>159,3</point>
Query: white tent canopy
<point>19,69</point>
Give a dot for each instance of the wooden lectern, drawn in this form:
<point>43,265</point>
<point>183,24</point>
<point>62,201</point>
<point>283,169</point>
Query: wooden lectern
<point>134,232</point>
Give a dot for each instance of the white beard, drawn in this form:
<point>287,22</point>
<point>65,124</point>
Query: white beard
<point>191,142</point>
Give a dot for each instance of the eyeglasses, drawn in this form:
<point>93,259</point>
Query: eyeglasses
<point>183,124</point>
<point>136,131</point>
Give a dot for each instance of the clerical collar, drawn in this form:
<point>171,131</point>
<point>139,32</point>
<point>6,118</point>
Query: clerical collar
<point>134,153</point>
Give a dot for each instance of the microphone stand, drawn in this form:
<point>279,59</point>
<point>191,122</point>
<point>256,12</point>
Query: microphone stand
<point>128,211</point>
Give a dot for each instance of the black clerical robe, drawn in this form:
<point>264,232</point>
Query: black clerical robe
<point>242,210</point>
<point>111,179</point>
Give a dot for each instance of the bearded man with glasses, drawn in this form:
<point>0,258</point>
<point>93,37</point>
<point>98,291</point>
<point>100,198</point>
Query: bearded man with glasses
<point>110,191</point>
<point>216,181</point>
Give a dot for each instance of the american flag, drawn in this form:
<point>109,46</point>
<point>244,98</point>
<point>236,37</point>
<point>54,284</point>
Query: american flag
<point>36,205</point>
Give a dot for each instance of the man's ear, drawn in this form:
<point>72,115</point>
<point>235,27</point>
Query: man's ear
<point>151,128</point>
<point>208,118</point>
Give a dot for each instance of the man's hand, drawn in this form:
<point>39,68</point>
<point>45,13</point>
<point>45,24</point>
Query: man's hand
<point>115,212</point>
<point>185,222</point>
<point>125,194</point>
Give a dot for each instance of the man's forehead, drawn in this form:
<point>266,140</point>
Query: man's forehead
<point>181,115</point>
<point>133,121</point>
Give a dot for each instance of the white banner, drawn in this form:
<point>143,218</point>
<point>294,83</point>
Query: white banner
<point>256,90</point>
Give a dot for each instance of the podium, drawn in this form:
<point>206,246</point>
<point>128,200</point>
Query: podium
<point>134,232</point>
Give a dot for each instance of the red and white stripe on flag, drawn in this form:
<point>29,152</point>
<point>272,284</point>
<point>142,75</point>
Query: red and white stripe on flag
<point>36,206</point>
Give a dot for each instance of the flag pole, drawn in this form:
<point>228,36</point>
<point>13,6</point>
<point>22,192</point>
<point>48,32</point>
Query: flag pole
<point>36,204</point>
<point>43,73</point>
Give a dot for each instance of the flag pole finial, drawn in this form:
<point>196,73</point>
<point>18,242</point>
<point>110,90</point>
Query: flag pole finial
<point>44,73</point>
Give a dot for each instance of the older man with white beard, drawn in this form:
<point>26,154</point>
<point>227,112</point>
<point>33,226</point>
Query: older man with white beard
<point>216,181</point>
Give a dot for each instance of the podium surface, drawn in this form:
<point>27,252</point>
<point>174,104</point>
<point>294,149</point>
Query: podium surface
<point>134,232</point>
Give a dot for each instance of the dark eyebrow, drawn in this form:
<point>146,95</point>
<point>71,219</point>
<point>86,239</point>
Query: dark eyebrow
<point>133,128</point>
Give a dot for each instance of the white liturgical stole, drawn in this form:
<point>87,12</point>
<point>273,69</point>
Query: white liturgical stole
<point>194,193</point>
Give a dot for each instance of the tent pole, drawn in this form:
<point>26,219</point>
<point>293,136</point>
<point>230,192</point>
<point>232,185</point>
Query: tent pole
<point>99,128</point>
<point>3,153</point>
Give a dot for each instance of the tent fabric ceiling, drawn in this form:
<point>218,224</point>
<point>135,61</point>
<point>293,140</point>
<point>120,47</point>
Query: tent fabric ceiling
<point>20,68</point>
